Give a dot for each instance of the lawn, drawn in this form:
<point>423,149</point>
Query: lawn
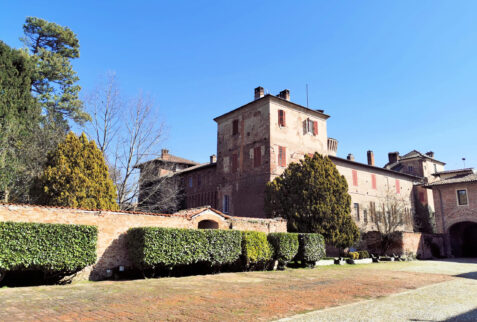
<point>229,296</point>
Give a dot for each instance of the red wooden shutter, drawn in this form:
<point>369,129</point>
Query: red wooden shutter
<point>257,156</point>
<point>355,178</point>
<point>315,128</point>
<point>398,187</point>
<point>373,181</point>
<point>284,157</point>
<point>281,118</point>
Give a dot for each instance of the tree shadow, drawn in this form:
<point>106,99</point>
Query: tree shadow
<point>467,316</point>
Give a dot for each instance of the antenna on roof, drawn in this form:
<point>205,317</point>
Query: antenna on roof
<point>307,95</point>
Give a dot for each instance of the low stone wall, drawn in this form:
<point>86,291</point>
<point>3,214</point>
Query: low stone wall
<point>424,246</point>
<point>112,227</point>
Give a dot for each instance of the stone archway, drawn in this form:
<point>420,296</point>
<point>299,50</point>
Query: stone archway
<point>208,224</point>
<point>463,239</point>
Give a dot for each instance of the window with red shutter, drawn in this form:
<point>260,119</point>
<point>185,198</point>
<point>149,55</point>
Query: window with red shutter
<point>282,156</point>
<point>235,127</point>
<point>234,162</point>
<point>398,187</point>
<point>422,198</point>
<point>373,181</point>
<point>355,177</point>
<point>257,156</point>
<point>315,128</point>
<point>281,118</point>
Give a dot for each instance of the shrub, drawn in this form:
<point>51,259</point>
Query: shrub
<point>363,254</point>
<point>154,247</point>
<point>285,246</point>
<point>312,248</point>
<point>353,255</point>
<point>255,248</point>
<point>47,247</point>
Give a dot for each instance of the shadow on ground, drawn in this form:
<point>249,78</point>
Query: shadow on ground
<point>467,316</point>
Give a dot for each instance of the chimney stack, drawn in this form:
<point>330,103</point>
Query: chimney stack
<point>393,157</point>
<point>285,94</point>
<point>370,157</point>
<point>430,154</point>
<point>350,157</point>
<point>213,158</point>
<point>164,153</point>
<point>259,92</point>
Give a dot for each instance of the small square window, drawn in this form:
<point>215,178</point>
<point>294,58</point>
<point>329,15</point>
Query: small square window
<point>462,197</point>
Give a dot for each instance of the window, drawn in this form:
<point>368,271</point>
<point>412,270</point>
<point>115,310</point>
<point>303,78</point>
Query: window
<point>373,181</point>
<point>235,127</point>
<point>282,156</point>
<point>281,118</point>
<point>234,162</point>
<point>410,169</point>
<point>355,177</point>
<point>356,210</point>
<point>372,210</point>
<point>462,197</point>
<point>310,126</point>
<point>190,182</point>
<point>398,187</point>
<point>365,216</point>
<point>225,204</point>
<point>435,168</point>
<point>257,156</point>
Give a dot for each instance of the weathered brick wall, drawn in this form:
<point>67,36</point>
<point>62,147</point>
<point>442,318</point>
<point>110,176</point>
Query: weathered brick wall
<point>112,228</point>
<point>425,246</point>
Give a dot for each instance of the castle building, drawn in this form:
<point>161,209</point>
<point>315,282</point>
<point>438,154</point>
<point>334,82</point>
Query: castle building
<point>257,141</point>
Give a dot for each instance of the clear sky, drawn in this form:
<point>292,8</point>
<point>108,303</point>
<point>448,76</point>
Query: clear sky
<point>393,75</point>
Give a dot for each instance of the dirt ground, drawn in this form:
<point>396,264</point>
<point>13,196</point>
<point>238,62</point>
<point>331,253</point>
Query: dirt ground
<point>230,296</point>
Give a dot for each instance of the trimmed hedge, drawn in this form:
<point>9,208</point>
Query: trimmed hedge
<point>363,254</point>
<point>285,246</point>
<point>312,248</point>
<point>47,247</point>
<point>255,248</point>
<point>152,247</point>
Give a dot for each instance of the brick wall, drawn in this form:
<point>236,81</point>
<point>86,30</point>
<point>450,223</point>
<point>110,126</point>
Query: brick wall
<point>112,227</point>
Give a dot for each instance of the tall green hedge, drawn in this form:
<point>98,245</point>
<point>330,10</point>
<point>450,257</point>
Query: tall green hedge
<point>47,247</point>
<point>312,248</point>
<point>153,247</point>
<point>255,248</point>
<point>285,246</point>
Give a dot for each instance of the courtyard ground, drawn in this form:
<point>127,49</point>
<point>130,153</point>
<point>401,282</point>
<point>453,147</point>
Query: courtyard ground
<point>257,295</point>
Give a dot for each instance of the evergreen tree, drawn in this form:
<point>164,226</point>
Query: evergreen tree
<point>314,198</point>
<point>76,175</point>
<point>19,117</point>
<point>55,82</point>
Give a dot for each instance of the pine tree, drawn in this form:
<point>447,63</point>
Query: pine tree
<point>76,176</point>
<point>314,198</point>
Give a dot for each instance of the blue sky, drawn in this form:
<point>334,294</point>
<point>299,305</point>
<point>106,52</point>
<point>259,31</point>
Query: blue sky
<point>393,75</point>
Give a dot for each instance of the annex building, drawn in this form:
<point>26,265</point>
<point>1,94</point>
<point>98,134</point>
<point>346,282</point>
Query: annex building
<point>257,141</point>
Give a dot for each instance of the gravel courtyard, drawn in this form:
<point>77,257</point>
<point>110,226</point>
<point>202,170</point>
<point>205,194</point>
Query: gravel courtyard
<point>430,290</point>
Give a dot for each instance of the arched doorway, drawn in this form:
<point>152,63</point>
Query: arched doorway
<point>463,237</point>
<point>208,224</point>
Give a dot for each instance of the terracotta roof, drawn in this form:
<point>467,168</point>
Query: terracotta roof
<point>457,179</point>
<point>469,170</point>
<point>171,159</point>
<point>411,155</point>
<point>273,97</point>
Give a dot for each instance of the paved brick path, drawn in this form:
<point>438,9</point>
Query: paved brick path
<point>231,296</point>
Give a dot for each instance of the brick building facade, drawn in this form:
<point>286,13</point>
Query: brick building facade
<point>257,141</point>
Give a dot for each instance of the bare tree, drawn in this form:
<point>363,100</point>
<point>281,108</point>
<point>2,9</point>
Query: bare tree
<point>130,133</point>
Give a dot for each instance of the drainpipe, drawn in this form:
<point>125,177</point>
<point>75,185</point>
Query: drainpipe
<point>443,223</point>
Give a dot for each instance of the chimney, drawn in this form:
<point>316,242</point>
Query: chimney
<point>213,158</point>
<point>350,157</point>
<point>430,154</point>
<point>285,94</point>
<point>370,157</point>
<point>393,157</point>
<point>259,92</point>
<point>164,153</point>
